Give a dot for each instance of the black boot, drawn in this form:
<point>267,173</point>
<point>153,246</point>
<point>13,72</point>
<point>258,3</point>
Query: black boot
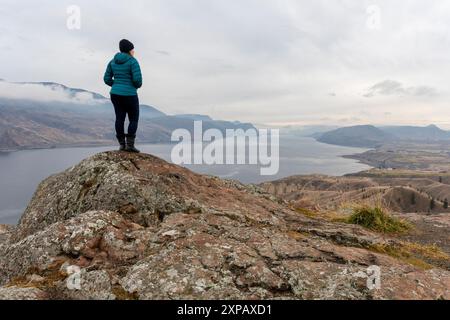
<point>121,140</point>
<point>130,144</point>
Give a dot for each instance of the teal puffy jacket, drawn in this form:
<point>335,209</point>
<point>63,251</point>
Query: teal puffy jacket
<point>124,75</point>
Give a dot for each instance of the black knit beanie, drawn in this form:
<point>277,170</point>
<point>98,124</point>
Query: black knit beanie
<point>125,46</point>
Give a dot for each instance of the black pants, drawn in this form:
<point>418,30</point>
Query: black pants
<point>123,106</point>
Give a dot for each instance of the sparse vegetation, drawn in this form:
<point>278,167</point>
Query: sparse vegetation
<point>306,212</point>
<point>400,253</point>
<point>413,199</point>
<point>297,235</point>
<point>422,256</point>
<point>122,294</point>
<point>432,204</point>
<point>49,278</point>
<point>376,219</point>
<point>432,252</point>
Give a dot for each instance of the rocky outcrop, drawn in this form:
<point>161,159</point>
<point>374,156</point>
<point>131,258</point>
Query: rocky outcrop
<point>126,226</point>
<point>5,234</point>
<point>16,293</point>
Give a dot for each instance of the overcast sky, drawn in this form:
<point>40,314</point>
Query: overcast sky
<point>279,61</point>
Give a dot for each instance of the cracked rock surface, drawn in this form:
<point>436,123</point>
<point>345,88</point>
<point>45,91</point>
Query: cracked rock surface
<point>132,226</point>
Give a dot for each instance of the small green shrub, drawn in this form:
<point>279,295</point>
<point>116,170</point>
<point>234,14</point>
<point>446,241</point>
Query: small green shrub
<point>376,219</point>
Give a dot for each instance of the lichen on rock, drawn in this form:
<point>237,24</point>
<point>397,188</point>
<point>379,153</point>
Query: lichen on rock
<point>137,227</point>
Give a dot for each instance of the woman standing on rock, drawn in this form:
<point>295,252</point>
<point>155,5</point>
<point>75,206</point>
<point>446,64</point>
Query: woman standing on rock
<point>123,74</point>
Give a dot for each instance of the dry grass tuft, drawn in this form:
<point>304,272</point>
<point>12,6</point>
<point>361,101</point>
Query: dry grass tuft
<point>422,256</point>
<point>376,219</point>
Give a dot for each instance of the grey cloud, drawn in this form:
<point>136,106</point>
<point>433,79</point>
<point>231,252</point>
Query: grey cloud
<point>350,120</point>
<point>254,60</point>
<point>396,88</point>
<point>43,93</point>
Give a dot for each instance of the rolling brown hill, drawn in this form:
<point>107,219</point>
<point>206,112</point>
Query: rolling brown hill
<point>402,195</point>
<point>406,194</point>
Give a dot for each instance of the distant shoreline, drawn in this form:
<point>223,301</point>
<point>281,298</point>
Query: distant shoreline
<point>81,145</point>
<point>361,159</point>
<point>354,156</point>
<point>75,145</point>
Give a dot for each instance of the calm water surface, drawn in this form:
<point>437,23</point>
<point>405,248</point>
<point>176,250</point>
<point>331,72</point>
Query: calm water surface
<point>21,172</point>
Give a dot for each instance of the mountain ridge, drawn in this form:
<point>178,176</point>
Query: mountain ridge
<point>28,123</point>
<point>369,136</point>
<point>356,136</point>
<point>55,85</point>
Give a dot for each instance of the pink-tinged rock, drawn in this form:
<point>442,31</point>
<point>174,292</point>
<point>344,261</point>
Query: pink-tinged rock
<point>137,227</point>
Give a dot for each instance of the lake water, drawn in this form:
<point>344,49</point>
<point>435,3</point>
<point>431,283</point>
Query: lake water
<point>22,171</point>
